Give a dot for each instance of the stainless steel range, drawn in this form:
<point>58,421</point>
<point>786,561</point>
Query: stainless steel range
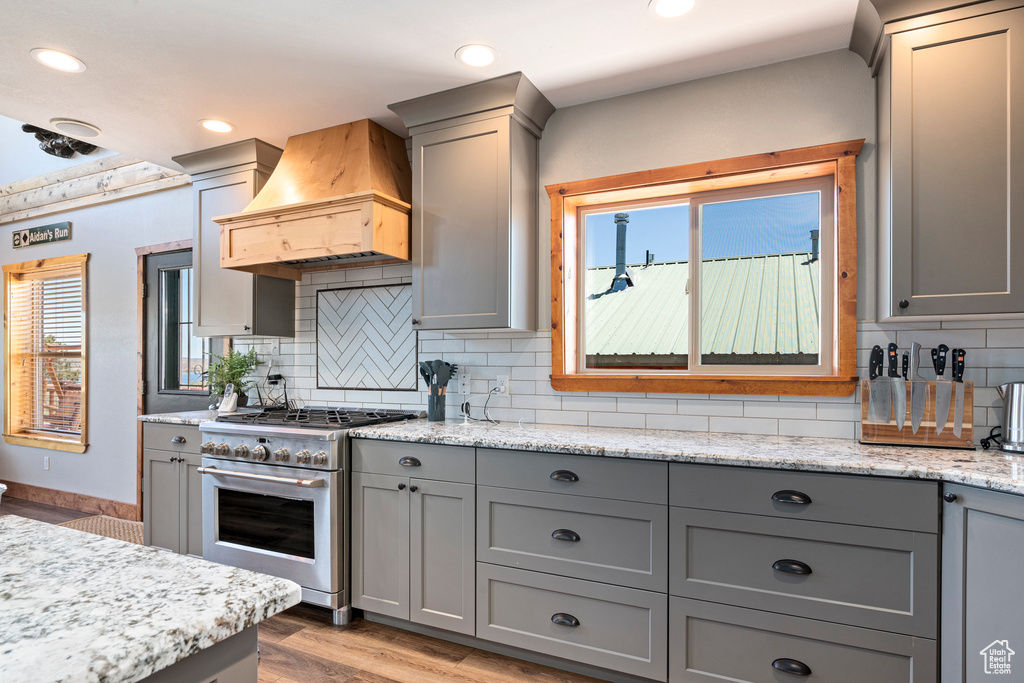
<point>274,500</point>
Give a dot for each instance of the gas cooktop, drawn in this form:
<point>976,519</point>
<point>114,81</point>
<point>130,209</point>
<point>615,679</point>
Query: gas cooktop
<point>317,417</point>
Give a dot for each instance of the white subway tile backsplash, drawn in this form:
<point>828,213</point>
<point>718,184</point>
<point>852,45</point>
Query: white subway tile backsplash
<point>563,417</point>
<point>782,409</point>
<point>647,405</point>
<point>964,339</point>
<point>743,425</point>
<point>833,430</point>
<point>632,420</point>
<point>1008,337</point>
<point>679,423</point>
<point>536,402</point>
<point>489,345</point>
<point>589,403</point>
<point>690,406</point>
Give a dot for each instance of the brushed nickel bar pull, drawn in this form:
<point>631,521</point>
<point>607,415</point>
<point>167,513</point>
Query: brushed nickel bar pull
<point>303,483</point>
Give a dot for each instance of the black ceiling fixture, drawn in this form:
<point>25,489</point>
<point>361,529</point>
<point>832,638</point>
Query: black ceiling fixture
<point>58,144</point>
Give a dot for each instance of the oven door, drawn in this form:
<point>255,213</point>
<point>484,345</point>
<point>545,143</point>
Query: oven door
<point>281,521</point>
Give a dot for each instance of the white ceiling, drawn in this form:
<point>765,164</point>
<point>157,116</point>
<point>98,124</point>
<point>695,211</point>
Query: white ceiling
<point>276,68</point>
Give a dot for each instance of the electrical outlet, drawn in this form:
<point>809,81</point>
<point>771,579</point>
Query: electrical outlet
<point>502,384</point>
<point>46,462</point>
<point>463,376</point>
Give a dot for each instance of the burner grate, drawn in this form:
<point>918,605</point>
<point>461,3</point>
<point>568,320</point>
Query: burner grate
<point>318,417</point>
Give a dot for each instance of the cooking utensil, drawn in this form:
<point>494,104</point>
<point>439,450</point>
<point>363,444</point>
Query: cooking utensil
<point>899,388</point>
<point>918,389</point>
<point>425,372</point>
<point>880,396</point>
<point>958,379</point>
<point>444,373</point>
<point>943,387</point>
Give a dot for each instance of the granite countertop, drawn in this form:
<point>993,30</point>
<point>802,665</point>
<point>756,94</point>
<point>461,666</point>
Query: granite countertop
<point>188,417</point>
<point>75,606</point>
<point>994,469</point>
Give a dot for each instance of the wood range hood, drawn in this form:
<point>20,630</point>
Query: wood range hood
<point>338,198</point>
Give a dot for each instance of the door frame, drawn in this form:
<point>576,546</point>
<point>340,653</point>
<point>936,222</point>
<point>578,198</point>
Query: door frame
<point>141,253</point>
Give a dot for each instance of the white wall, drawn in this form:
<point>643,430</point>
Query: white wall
<point>109,233</point>
<point>809,101</point>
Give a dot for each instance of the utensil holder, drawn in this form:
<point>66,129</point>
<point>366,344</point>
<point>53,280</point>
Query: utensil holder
<point>435,408</point>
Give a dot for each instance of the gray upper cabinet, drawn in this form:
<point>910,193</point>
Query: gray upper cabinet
<point>951,165</point>
<point>982,556</point>
<point>231,303</point>
<point>474,215</point>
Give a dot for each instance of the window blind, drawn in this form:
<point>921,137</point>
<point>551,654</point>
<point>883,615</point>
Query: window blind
<point>45,348</point>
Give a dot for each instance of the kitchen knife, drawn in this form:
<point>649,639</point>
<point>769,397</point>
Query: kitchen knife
<point>918,389</point>
<point>880,395</point>
<point>943,387</point>
<point>899,389</point>
<point>958,379</point>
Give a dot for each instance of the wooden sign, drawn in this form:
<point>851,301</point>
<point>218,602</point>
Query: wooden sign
<point>43,234</point>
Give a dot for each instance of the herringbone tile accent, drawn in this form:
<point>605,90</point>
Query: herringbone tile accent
<point>365,338</point>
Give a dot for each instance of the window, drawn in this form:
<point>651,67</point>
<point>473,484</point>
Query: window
<point>735,276</point>
<point>184,359</point>
<point>45,353</point>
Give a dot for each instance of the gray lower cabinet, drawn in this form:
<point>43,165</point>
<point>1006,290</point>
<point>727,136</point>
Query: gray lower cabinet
<point>616,628</point>
<point>172,495</point>
<point>951,169</point>
<point>711,642</point>
<point>412,536</point>
<point>982,610</point>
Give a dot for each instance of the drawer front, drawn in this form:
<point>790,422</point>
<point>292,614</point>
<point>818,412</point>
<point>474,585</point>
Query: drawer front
<point>168,437</point>
<point>417,460</point>
<point>612,541</point>
<point>848,499</point>
<point>581,475</point>
<point>875,578</point>
<point>615,628</point>
<point>714,643</point>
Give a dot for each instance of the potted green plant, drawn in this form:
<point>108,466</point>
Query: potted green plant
<point>233,369</point>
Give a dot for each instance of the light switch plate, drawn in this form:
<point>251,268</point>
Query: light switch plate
<point>463,377</point>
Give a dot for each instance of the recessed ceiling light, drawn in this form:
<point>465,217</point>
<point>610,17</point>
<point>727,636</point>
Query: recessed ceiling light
<point>55,59</point>
<point>216,125</point>
<point>670,8</point>
<point>76,129</point>
<point>475,55</point>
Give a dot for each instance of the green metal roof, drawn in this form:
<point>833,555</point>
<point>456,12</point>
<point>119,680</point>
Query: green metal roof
<point>762,305</point>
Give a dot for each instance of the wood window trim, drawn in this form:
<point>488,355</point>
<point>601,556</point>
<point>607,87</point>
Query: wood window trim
<point>36,440</point>
<point>838,159</point>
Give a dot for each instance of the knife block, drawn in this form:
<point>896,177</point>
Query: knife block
<point>888,433</point>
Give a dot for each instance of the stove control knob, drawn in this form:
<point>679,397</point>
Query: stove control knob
<point>281,455</point>
<point>221,449</point>
<point>260,453</point>
<point>302,457</point>
<point>320,458</point>
<point>241,451</point>
<point>207,447</point>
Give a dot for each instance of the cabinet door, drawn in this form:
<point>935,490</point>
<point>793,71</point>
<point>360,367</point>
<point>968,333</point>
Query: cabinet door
<point>191,503</point>
<point>982,558</point>
<point>442,532</point>
<point>460,226</point>
<point>223,299</point>
<point>161,500</point>
<point>380,544</point>
<point>957,169</point>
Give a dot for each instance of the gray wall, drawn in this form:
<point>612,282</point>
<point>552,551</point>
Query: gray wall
<point>109,232</point>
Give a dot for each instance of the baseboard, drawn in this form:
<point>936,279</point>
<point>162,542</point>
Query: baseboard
<point>73,501</point>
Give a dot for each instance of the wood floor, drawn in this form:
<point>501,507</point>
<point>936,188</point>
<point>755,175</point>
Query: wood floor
<point>39,511</point>
<point>300,645</point>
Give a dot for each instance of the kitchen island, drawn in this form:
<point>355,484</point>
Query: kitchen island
<point>79,607</point>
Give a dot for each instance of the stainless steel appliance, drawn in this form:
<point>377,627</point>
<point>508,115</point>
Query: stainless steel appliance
<point>1013,416</point>
<point>274,496</point>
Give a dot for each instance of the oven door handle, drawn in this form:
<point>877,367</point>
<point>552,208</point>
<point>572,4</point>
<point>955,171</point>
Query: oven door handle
<point>304,483</point>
